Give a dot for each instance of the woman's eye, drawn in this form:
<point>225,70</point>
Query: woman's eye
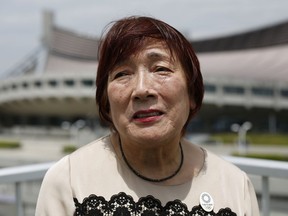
<point>162,69</point>
<point>120,74</point>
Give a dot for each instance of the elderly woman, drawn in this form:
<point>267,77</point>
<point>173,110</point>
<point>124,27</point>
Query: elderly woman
<point>149,86</point>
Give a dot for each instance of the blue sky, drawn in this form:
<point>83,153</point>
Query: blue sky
<point>20,20</point>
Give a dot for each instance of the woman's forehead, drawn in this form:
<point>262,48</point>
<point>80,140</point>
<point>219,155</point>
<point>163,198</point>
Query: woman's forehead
<point>154,50</point>
<point>150,48</point>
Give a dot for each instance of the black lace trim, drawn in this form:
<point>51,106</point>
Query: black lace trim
<point>124,205</point>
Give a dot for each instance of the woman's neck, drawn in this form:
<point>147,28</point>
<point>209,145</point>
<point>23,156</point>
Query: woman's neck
<point>156,161</point>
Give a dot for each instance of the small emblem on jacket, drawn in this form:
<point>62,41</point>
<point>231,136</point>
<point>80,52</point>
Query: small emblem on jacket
<point>206,201</point>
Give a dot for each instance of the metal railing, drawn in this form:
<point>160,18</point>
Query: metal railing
<point>19,174</point>
<point>264,168</point>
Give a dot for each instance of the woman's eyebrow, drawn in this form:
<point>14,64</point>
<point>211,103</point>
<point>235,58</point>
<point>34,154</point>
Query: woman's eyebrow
<point>152,56</point>
<point>121,63</point>
<point>157,56</point>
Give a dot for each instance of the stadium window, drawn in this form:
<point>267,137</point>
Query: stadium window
<point>284,92</point>
<point>234,90</point>
<point>69,82</point>
<point>53,83</point>
<point>14,86</point>
<point>263,91</point>
<point>210,88</point>
<point>38,83</point>
<point>87,82</point>
<point>33,120</point>
<point>55,121</point>
<point>25,85</point>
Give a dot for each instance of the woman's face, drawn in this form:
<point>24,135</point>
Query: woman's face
<point>148,95</point>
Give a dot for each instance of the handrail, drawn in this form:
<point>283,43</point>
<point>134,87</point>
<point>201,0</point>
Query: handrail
<point>260,167</point>
<point>24,173</point>
<point>252,166</point>
<point>20,174</point>
<point>264,168</point>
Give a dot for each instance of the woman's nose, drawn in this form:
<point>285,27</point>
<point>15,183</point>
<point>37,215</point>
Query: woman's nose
<point>143,87</point>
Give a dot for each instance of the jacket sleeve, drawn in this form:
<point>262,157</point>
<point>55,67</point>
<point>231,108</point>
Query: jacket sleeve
<point>250,199</point>
<point>55,196</point>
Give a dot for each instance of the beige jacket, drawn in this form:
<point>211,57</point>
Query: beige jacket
<point>95,169</point>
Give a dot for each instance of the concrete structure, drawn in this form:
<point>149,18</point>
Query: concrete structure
<point>53,84</point>
<point>245,79</point>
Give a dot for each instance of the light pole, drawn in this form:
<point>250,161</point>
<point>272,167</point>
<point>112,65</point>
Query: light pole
<point>74,129</point>
<point>242,131</point>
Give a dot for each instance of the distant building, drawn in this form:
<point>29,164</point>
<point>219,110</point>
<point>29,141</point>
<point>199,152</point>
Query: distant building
<point>245,75</point>
<point>246,79</point>
<point>54,84</point>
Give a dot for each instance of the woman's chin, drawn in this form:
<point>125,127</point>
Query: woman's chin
<point>152,134</point>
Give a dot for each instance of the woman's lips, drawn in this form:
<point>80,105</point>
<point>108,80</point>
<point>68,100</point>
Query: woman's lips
<point>147,115</point>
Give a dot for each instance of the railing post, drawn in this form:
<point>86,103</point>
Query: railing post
<point>19,203</point>
<point>265,196</point>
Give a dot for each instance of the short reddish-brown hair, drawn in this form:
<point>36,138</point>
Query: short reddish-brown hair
<point>127,36</point>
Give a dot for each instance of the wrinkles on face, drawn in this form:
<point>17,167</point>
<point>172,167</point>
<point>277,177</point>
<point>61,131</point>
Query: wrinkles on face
<point>149,82</point>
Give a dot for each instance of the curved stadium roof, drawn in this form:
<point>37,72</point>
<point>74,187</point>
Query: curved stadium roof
<point>259,55</point>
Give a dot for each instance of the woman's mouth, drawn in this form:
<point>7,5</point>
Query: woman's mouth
<point>147,116</point>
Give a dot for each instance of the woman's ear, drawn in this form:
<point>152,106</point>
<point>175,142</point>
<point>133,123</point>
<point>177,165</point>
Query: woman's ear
<point>192,104</point>
<point>192,108</point>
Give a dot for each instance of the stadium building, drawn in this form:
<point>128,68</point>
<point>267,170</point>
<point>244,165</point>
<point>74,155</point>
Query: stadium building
<point>245,76</point>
